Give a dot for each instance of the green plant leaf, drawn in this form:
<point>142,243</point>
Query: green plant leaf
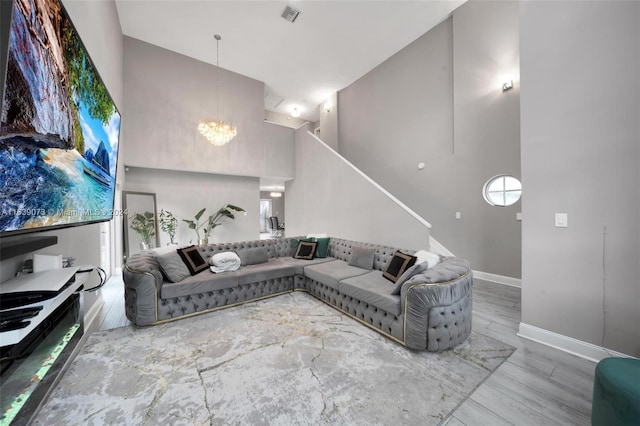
<point>236,208</point>
<point>200,213</point>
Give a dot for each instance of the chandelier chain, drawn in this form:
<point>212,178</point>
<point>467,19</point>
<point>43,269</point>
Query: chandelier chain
<point>216,131</point>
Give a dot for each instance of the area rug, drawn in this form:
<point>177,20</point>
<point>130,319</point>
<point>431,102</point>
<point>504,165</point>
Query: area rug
<point>287,360</point>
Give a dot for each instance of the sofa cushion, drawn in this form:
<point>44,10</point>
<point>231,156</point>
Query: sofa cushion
<point>362,257</point>
<point>399,263</point>
<point>201,283</point>
<point>299,264</point>
<point>172,266</point>
<point>193,259</point>
<point>330,273</point>
<point>372,288</point>
<point>253,256</point>
<point>264,271</point>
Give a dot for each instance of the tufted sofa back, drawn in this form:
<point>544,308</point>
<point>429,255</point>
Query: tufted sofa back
<point>145,261</point>
<point>279,247</point>
<point>341,249</point>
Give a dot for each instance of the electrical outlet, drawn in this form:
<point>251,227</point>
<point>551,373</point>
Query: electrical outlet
<point>562,220</point>
<point>458,215</point>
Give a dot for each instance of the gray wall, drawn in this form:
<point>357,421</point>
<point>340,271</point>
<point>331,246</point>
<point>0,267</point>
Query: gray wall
<point>329,123</point>
<point>580,106</point>
<point>99,28</point>
<point>185,193</point>
<point>167,94</point>
<point>329,196</point>
<point>276,148</point>
<point>439,101</point>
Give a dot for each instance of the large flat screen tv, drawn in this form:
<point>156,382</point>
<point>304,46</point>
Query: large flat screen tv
<point>59,128</point>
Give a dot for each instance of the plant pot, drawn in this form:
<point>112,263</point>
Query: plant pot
<point>203,241</point>
<point>144,246</point>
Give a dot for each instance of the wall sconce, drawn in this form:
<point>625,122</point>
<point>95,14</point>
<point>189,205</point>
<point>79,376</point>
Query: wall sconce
<point>327,106</point>
<point>507,86</point>
<point>295,113</point>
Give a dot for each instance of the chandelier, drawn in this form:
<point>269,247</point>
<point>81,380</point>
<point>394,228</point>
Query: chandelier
<point>216,131</point>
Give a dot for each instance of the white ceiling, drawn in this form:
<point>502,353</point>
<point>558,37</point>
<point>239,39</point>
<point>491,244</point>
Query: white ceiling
<point>331,44</point>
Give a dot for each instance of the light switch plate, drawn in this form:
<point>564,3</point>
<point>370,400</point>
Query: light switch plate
<point>562,220</point>
<point>519,216</point>
<point>458,215</point>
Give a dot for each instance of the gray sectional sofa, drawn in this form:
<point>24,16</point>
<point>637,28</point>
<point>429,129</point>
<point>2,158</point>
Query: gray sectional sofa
<point>432,311</point>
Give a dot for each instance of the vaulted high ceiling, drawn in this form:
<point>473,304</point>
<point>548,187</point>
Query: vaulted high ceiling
<point>329,46</point>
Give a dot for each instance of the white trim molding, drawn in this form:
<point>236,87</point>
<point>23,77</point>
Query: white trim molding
<point>92,316</point>
<point>436,247</point>
<point>500,279</point>
<point>566,344</point>
<point>402,205</point>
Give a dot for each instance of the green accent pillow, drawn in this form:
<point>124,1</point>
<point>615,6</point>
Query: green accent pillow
<point>323,247</point>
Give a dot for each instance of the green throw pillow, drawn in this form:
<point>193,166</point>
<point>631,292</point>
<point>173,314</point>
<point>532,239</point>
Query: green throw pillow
<point>323,247</point>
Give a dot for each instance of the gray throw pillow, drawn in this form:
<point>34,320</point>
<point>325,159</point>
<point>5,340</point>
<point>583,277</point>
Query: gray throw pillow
<point>253,256</point>
<point>173,267</point>
<point>414,270</point>
<point>362,257</point>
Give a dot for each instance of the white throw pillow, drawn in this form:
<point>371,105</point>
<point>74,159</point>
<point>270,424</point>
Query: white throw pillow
<point>432,259</point>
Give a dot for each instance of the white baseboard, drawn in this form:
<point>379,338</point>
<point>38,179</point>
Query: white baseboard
<point>567,344</point>
<point>500,279</point>
<point>92,315</point>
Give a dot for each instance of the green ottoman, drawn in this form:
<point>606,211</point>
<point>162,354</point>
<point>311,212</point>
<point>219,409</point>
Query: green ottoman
<point>616,393</point>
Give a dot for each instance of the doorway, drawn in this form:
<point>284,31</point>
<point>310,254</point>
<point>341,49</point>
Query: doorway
<point>265,214</point>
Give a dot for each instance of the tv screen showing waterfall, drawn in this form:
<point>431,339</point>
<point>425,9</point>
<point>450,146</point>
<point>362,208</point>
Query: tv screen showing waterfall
<point>59,128</point>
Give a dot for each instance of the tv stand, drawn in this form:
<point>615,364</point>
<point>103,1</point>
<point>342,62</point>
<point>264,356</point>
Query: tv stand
<point>32,358</point>
<point>15,246</point>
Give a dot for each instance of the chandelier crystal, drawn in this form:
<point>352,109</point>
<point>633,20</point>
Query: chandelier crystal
<point>216,131</point>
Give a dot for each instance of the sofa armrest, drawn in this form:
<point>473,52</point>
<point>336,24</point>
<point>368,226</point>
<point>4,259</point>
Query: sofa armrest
<point>142,283</point>
<point>437,306</point>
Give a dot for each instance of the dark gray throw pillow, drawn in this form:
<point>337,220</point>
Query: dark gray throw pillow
<point>253,256</point>
<point>305,250</point>
<point>362,257</point>
<point>193,260</point>
<point>399,263</point>
<point>414,270</point>
<point>173,267</point>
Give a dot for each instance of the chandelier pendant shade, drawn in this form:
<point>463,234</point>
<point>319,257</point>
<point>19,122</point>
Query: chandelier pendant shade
<point>216,131</point>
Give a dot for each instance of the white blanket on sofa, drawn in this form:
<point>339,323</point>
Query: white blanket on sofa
<point>224,262</point>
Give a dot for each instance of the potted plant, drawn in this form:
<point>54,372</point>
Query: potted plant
<point>169,224</point>
<point>211,222</point>
<point>145,226</point>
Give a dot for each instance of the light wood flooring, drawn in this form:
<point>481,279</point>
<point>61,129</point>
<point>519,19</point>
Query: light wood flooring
<point>537,385</point>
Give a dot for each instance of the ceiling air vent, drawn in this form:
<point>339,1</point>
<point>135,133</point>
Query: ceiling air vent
<point>290,13</point>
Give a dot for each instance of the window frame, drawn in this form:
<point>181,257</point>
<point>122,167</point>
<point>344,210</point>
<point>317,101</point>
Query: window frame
<point>490,200</point>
